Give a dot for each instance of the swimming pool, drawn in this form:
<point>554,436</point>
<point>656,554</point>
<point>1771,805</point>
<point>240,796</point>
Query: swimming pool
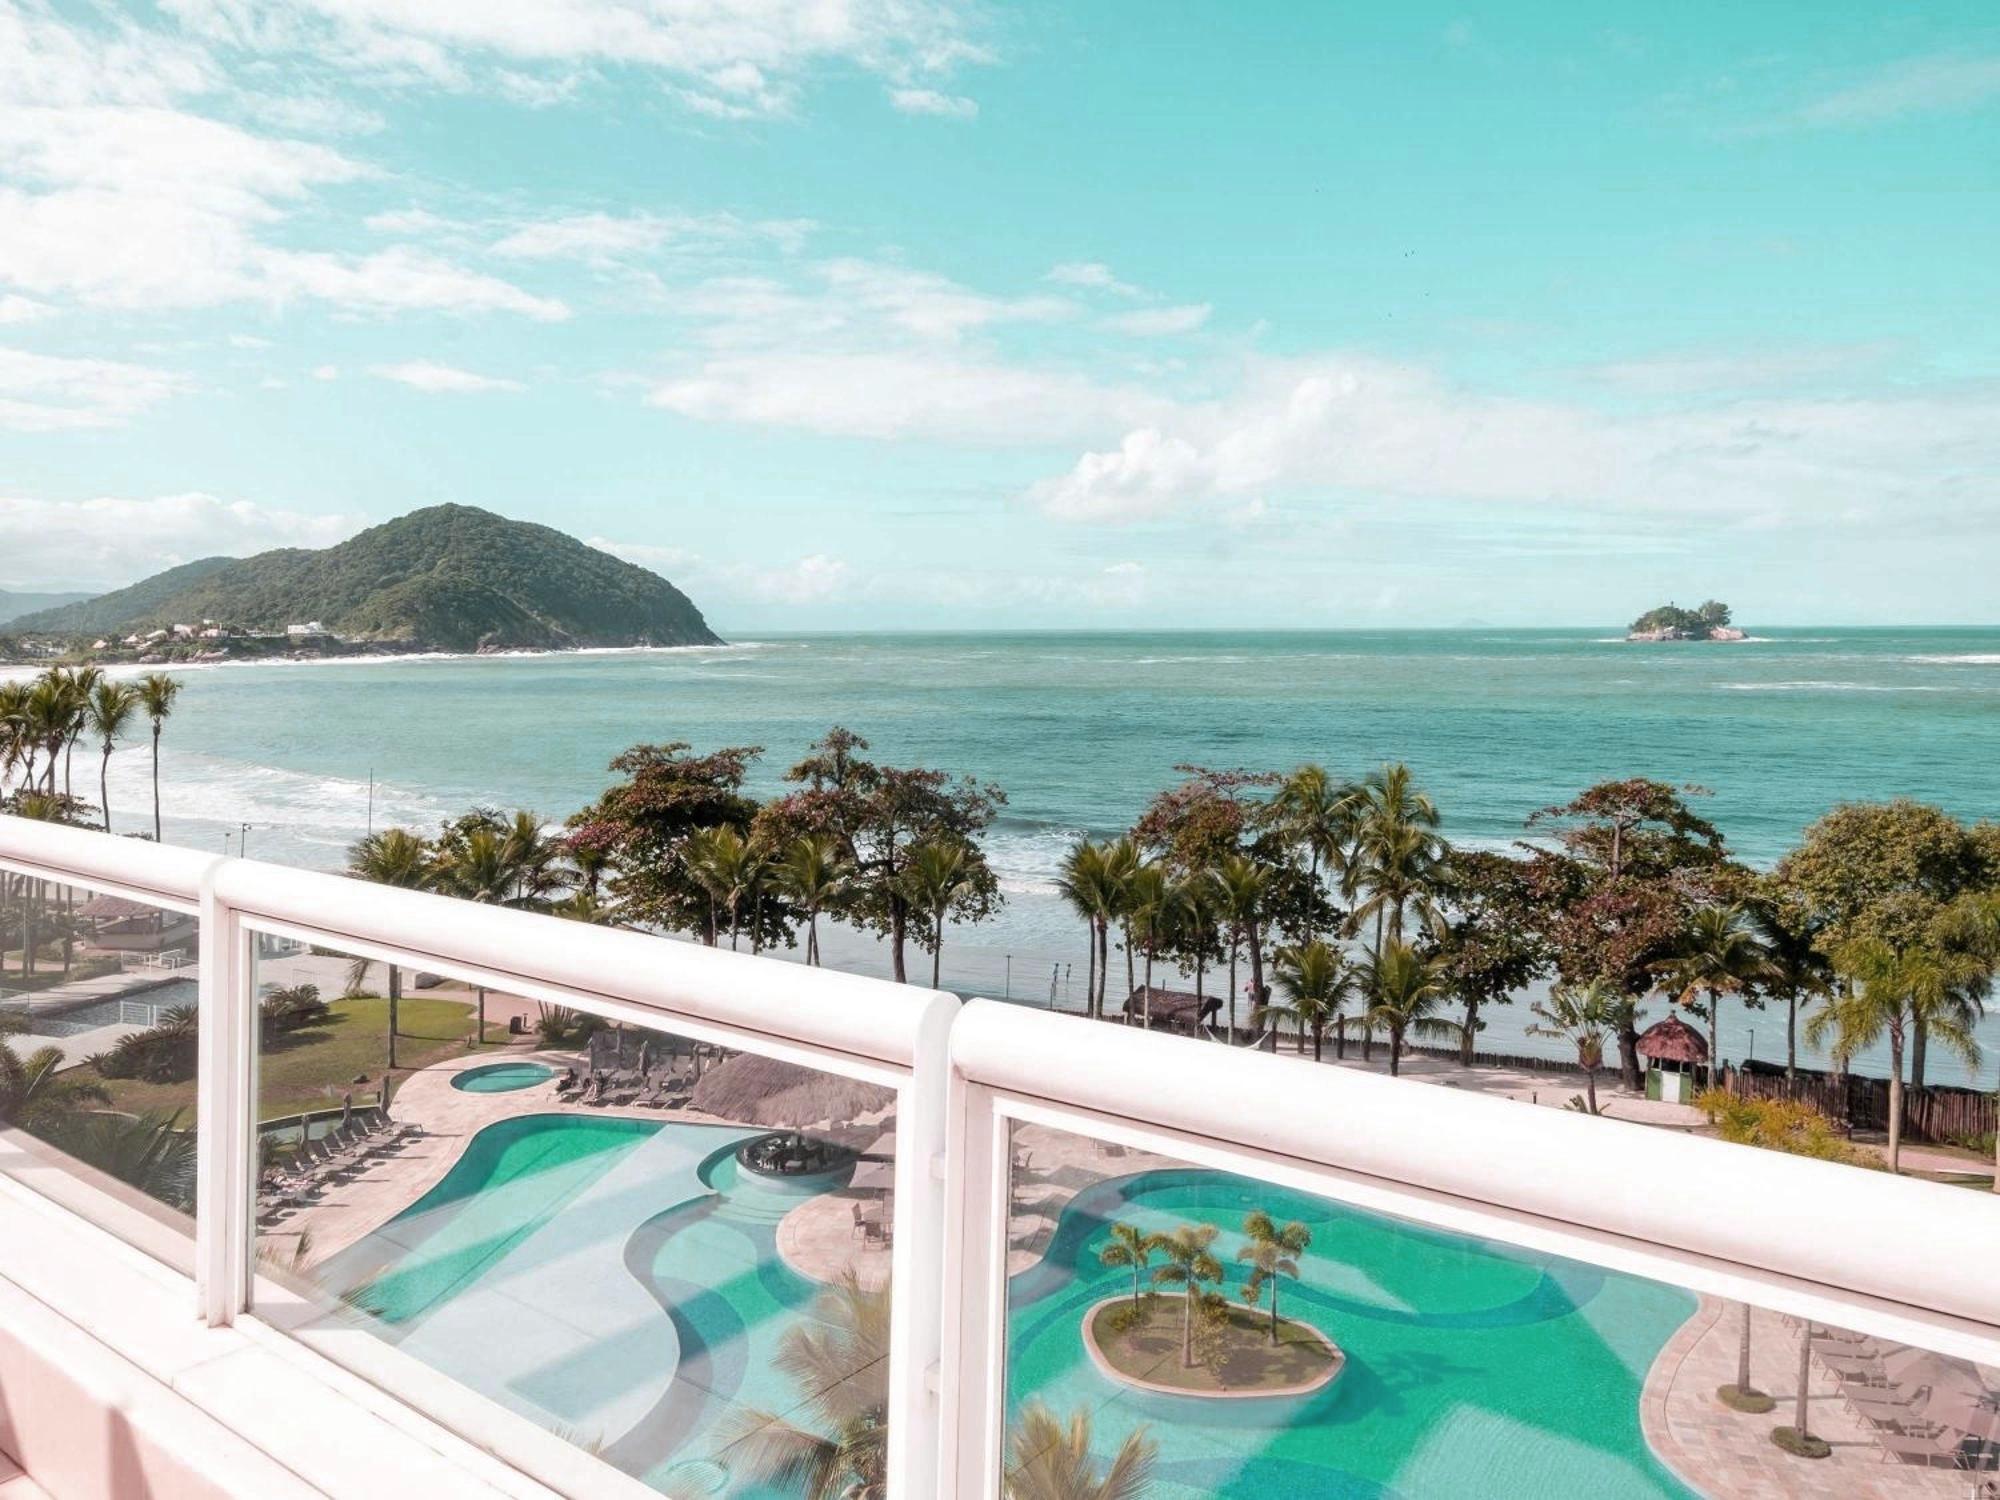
<point>634,1268</point>
<point>502,1077</point>
<point>1472,1368</point>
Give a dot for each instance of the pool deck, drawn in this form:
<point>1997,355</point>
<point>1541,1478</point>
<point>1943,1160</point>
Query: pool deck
<point>1728,1455</point>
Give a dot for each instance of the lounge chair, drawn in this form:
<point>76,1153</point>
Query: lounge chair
<point>1945,1447</point>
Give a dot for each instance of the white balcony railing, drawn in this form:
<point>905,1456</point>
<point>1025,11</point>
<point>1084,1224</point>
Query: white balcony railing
<point>1907,1261</point>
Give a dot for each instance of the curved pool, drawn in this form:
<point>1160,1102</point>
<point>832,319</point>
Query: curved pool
<point>502,1078</point>
<point>1472,1368</point>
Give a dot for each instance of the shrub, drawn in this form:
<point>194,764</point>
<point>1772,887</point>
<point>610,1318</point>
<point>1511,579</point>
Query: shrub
<point>295,1009</point>
<point>163,1053</point>
<point>1778,1125</point>
<point>559,1026</point>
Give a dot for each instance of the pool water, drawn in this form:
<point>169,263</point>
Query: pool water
<point>634,1267</point>
<point>1472,1368</point>
<point>502,1078</point>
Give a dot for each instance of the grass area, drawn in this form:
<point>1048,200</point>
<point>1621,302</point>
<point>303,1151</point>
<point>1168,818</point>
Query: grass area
<point>1233,1353</point>
<point>311,1069</point>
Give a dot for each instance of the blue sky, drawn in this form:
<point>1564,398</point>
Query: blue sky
<point>906,314</point>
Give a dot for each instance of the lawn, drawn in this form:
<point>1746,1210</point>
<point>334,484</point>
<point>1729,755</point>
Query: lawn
<point>311,1069</point>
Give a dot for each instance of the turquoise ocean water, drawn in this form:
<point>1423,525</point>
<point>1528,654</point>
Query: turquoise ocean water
<point>1081,728</point>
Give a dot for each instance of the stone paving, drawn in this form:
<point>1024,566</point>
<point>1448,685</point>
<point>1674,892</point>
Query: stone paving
<point>1728,1455</point>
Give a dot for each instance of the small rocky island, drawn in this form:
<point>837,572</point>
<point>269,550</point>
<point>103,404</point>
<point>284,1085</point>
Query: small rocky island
<point>1672,623</point>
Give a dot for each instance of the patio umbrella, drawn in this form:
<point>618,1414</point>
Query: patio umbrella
<point>784,1095</point>
<point>346,1109</point>
<point>645,1057</point>
<point>1940,1373</point>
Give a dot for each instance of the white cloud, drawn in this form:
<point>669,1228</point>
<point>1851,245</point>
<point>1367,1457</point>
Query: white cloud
<point>109,542</point>
<point>1159,322</point>
<point>720,57</point>
<point>1696,372</point>
<point>428,375</point>
<point>326,372</point>
<point>118,190</point>
<point>1344,426</point>
<point>1919,85</point>
<point>1092,274</point>
<point>893,394</point>
<point>810,580</point>
<point>933,102</point>
<point>48,393</point>
<point>17,309</point>
<point>601,238</point>
<point>400,279</point>
<point>408,221</point>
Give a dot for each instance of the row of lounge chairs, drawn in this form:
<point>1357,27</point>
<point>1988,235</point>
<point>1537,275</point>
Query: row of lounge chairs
<point>363,1139</point>
<point>662,1090</point>
<point>1903,1418</point>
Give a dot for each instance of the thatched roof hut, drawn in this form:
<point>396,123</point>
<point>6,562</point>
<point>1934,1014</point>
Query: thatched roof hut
<point>1176,1010</point>
<point>1672,1040</point>
<point>783,1095</point>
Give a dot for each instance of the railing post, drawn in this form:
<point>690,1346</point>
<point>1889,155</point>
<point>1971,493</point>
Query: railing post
<point>225,1092</point>
<point>917,1290</point>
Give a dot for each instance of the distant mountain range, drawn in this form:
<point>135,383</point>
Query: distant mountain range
<point>449,578</point>
<point>13,605</point>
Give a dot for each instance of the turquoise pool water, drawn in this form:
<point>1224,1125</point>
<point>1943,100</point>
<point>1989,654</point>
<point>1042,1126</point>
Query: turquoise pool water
<point>1472,1368</point>
<point>566,1262</point>
<point>502,1078</point>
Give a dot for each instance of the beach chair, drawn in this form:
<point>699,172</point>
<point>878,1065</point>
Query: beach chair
<point>1931,1450</point>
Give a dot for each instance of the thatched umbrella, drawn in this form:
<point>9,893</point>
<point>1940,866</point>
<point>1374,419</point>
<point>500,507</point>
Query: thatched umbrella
<point>784,1095</point>
<point>1672,1040</point>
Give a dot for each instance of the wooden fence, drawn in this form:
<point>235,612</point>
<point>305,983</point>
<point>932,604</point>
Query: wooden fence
<point>1953,1115</point>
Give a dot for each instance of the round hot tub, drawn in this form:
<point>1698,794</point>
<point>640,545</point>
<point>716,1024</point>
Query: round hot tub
<point>502,1077</point>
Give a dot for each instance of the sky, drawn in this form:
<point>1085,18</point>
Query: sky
<point>915,314</point>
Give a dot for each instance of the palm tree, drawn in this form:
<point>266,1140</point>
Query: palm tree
<point>1794,968</point>
<point>1122,860</point>
<point>1241,884</point>
<point>1048,1461</point>
<point>1146,919</point>
<point>157,691</point>
<point>78,683</point>
<point>1319,985</point>
<point>400,858</point>
<point>1405,989</point>
<point>1130,1246</point>
<point>811,875</point>
<point>110,712</point>
<point>730,868</point>
<point>1272,1254</point>
<point>1088,884</point>
<point>35,1092</point>
<point>1895,993</point>
<point>1191,1264</point>
<point>839,1360</point>
<point>1317,812</point>
<point>936,873</point>
<point>483,867</point>
<point>149,1152</point>
<point>1189,926</point>
<point>1579,1014</point>
<point>16,748</point>
<point>1718,956</point>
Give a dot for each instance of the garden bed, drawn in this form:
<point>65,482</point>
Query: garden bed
<point>1234,1354</point>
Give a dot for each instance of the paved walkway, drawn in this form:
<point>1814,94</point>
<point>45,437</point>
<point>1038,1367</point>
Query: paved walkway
<point>1728,1455</point>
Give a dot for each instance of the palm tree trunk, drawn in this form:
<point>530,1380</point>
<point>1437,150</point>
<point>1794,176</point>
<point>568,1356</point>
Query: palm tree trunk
<point>1743,1355</point>
<point>1131,977</point>
<point>1791,1039</point>
<point>1714,1036</point>
<point>1187,1325</point>
<point>479,1036</point>
<point>1471,1029</point>
<point>1590,1087</point>
<point>1395,1050</point>
<point>1340,1038</point>
<point>1235,940</point>
<point>812,936</point>
<point>1257,972</point>
<point>937,949</point>
<point>156,781</point>
<point>395,994</point>
<point>1274,1310</point>
<point>1805,1379</point>
<point>1103,962</point>
<point>1146,1005</point>
<point>899,921</point>
<point>1920,1036</point>
<point>1895,1103</point>
<point>1090,985</point>
<point>104,787</point>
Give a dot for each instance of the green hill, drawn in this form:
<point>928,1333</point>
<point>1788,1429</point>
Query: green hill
<point>97,613</point>
<point>14,605</point>
<point>451,578</point>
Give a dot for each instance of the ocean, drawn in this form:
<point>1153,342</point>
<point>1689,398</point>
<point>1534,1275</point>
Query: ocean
<point>1080,729</point>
